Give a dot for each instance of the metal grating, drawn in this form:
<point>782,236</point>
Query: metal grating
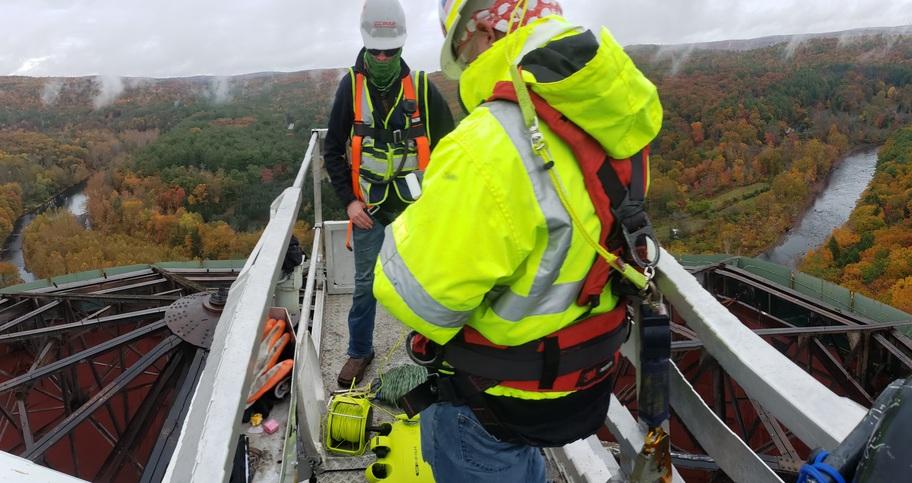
<point>388,332</point>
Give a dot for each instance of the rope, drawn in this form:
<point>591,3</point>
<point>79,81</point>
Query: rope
<point>348,422</point>
<point>397,382</point>
<point>371,392</point>
<point>527,108</point>
<point>819,471</point>
<point>638,279</point>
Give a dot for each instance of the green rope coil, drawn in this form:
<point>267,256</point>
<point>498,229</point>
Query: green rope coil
<point>397,382</point>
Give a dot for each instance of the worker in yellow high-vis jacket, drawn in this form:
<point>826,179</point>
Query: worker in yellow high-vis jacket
<point>489,264</point>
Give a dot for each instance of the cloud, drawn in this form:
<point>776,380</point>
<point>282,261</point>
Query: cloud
<point>220,89</point>
<point>166,38</point>
<point>679,55</point>
<point>109,89</point>
<point>30,65</point>
<point>794,42</point>
<point>51,91</point>
<point>137,82</point>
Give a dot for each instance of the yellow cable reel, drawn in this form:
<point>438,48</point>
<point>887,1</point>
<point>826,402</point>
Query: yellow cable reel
<point>347,421</point>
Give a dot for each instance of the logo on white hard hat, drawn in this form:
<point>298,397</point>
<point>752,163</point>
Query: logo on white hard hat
<point>383,24</point>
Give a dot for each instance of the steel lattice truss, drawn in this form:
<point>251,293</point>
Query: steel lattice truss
<point>853,356</point>
<point>94,381</point>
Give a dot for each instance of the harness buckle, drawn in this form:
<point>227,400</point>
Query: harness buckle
<point>536,137</point>
<point>637,233</point>
<point>398,136</point>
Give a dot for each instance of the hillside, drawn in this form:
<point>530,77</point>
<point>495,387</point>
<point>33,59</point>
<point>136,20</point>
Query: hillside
<point>750,137</point>
<point>844,37</point>
<point>189,165</point>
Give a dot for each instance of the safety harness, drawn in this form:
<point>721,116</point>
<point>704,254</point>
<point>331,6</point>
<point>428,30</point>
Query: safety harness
<point>582,354</point>
<point>416,132</point>
<point>617,189</point>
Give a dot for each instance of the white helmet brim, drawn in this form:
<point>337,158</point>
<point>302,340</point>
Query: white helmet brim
<point>449,64</point>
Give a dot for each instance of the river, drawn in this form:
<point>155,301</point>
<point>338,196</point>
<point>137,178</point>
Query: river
<point>74,200</point>
<point>831,209</point>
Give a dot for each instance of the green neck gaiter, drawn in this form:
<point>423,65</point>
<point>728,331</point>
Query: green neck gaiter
<point>383,74</point>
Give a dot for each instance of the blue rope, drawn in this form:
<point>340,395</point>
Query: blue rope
<point>819,471</point>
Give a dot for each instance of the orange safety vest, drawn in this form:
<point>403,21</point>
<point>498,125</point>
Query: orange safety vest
<point>416,132</point>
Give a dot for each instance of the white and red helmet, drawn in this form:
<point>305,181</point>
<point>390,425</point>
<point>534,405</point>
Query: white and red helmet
<point>459,17</point>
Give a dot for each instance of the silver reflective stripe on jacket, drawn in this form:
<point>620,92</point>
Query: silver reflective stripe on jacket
<point>414,295</point>
<point>545,297</point>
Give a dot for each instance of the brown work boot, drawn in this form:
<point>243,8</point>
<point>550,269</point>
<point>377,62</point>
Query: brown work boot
<point>353,371</point>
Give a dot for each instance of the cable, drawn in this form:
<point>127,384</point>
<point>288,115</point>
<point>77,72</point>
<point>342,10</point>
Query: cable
<point>347,422</point>
<point>638,279</point>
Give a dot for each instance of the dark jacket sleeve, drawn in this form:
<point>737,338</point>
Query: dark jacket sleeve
<point>334,148</point>
<point>439,115</point>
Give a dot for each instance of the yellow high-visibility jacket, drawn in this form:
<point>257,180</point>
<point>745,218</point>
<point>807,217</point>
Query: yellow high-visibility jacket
<point>489,243</point>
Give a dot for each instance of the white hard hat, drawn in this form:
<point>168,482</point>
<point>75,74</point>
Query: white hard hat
<point>383,24</point>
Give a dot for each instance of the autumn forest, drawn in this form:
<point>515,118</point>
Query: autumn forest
<point>183,169</point>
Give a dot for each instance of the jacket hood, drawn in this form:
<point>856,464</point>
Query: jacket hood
<point>588,79</point>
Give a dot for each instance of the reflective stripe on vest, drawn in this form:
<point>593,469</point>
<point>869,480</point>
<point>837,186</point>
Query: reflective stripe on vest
<point>545,297</point>
<point>411,291</point>
<point>377,161</point>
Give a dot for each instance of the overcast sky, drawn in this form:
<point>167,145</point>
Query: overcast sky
<point>168,38</point>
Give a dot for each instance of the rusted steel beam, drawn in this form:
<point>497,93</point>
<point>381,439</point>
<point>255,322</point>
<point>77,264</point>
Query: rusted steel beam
<point>24,426</point>
<point>778,436</point>
<point>93,297</point>
<point>103,396</point>
<point>821,308</point>
<point>181,280</point>
<point>683,345</point>
<point>84,324</point>
<point>838,371</point>
<point>66,362</point>
<point>139,423</point>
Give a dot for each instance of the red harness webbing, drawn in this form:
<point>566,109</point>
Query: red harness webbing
<point>581,354</point>
<point>591,158</point>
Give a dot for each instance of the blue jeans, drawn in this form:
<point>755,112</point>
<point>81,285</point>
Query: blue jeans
<point>459,449</point>
<point>366,244</point>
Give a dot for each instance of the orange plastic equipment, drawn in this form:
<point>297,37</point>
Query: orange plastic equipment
<point>267,380</point>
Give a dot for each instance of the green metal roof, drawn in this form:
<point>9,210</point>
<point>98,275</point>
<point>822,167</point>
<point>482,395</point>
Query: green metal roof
<point>108,272</point>
<point>826,292</point>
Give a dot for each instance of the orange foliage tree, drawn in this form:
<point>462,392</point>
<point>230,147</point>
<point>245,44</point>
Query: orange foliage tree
<point>872,252</point>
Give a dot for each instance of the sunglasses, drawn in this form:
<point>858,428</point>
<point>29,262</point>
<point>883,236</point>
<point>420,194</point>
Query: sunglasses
<point>386,52</point>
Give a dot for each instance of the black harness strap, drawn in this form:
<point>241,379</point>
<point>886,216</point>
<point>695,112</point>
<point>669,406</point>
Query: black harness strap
<point>390,136</point>
<point>459,389</point>
<point>551,356</point>
<point>627,205</point>
<point>633,229</point>
<point>527,363</point>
